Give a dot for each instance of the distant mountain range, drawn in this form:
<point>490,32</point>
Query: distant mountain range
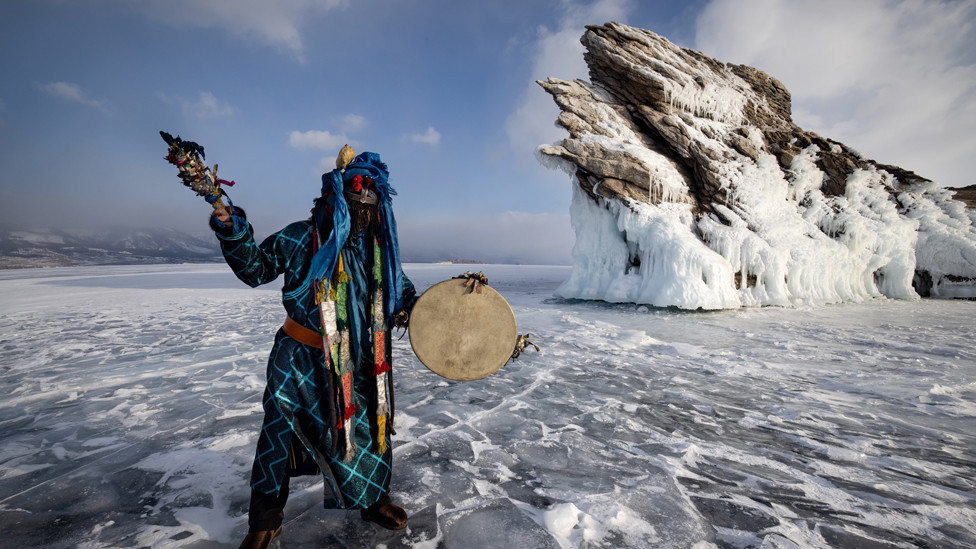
<point>24,248</point>
<point>28,248</point>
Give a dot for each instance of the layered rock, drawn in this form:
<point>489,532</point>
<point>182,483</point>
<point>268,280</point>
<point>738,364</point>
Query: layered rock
<point>695,189</point>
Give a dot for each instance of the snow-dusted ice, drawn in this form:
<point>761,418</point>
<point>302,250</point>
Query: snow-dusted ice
<point>131,404</point>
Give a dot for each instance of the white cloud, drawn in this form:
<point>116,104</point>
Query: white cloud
<point>352,123</point>
<point>275,23</point>
<point>895,79</point>
<point>431,137</point>
<point>558,54</point>
<point>206,105</point>
<point>72,92</point>
<point>317,139</point>
<point>327,141</point>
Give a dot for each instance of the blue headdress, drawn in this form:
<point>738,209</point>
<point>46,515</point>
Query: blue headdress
<point>327,257</point>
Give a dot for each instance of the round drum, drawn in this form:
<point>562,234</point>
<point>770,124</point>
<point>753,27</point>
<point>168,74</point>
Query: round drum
<point>461,334</point>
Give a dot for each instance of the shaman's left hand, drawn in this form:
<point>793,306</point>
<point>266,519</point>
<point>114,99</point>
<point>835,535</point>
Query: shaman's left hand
<point>401,320</point>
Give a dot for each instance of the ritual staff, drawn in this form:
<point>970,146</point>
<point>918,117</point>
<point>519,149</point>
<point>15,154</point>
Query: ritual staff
<point>328,405</point>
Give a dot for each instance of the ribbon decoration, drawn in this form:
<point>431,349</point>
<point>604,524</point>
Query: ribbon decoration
<point>188,157</point>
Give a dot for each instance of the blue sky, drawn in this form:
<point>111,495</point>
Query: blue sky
<point>443,90</point>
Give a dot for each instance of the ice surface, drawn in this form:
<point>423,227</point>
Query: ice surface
<point>639,253</point>
<point>131,406</point>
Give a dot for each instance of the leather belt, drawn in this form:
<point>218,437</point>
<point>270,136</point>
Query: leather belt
<point>302,334</point>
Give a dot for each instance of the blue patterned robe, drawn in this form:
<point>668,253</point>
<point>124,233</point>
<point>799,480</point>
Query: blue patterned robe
<point>296,403</point>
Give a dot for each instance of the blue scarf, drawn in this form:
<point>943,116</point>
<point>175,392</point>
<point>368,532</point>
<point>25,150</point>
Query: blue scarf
<point>327,257</point>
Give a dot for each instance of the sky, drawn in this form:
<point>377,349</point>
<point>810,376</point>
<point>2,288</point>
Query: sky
<point>444,91</point>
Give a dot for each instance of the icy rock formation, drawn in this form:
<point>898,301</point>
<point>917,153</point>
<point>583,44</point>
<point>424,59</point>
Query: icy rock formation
<point>695,189</point>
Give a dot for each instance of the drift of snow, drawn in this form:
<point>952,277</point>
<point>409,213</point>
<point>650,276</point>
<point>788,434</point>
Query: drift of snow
<point>132,402</point>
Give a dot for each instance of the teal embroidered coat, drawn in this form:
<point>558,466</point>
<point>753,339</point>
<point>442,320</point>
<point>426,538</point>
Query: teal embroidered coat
<point>296,403</point>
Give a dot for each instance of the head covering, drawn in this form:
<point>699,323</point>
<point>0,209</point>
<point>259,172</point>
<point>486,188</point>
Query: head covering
<point>327,256</point>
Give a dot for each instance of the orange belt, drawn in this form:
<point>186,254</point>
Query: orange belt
<point>302,334</point>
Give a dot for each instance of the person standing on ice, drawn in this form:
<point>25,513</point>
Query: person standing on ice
<point>328,405</point>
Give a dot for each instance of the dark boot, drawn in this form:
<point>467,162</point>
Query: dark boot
<point>259,540</point>
<point>385,513</point>
<point>264,517</point>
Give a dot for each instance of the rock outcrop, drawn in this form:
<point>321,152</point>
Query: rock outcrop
<point>965,194</point>
<point>695,189</point>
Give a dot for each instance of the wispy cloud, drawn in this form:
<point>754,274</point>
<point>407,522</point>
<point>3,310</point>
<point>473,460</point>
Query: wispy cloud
<point>325,140</point>
<point>352,123</point>
<point>276,24</point>
<point>431,137</point>
<point>205,105</point>
<point>559,54</point>
<point>317,139</point>
<point>69,91</point>
<point>895,79</point>
<point>208,106</point>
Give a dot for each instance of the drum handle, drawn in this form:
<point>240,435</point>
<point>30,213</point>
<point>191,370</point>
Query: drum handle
<point>474,280</point>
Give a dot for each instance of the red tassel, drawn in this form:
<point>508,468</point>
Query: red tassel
<point>350,409</point>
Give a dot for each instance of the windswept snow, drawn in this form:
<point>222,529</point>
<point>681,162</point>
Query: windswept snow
<point>131,406</point>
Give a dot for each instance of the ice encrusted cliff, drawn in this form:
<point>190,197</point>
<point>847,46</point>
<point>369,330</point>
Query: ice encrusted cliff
<point>695,189</point>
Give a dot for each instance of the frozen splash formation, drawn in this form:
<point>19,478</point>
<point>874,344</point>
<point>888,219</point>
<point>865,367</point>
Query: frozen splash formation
<point>695,189</point>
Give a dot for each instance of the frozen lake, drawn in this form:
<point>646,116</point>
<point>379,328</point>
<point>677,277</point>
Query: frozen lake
<point>131,403</point>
